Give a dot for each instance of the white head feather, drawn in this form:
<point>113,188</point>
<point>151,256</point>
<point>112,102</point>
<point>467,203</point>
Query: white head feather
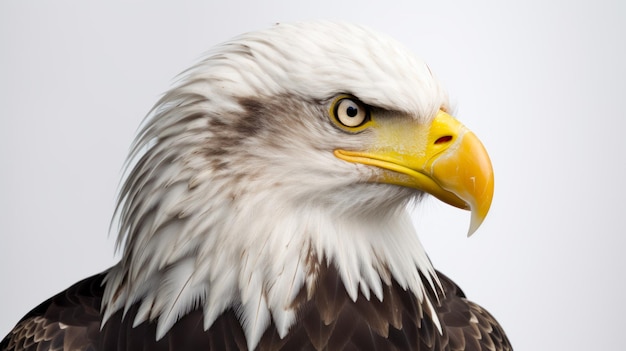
<point>233,193</point>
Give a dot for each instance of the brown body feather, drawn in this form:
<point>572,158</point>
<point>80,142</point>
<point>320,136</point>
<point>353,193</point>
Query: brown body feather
<point>327,321</point>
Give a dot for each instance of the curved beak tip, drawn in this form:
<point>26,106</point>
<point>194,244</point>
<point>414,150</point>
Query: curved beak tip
<point>475,223</point>
<point>481,203</point>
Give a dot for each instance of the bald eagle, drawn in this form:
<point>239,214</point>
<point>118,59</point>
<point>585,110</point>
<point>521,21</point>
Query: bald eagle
<point>265,208</point>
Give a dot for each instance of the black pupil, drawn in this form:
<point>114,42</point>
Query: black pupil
<point>352,111</point>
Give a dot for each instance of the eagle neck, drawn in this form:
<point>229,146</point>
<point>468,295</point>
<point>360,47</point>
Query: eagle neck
<point>273,257</point>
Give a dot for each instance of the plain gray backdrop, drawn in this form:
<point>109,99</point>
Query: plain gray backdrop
<point>542,83</point>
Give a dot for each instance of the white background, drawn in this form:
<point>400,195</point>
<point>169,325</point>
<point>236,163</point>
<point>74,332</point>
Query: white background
<point>542,83</point>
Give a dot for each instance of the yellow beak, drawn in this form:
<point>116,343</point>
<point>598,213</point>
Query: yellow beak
<point>444,159</point>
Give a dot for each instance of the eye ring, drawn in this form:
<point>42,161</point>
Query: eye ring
<point>350,112</point>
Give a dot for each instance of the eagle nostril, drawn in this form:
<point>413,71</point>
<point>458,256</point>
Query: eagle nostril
<point>443,139</point>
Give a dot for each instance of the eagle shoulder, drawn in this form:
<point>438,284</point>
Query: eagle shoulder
<point>69,320</point>
<point>466,325</point>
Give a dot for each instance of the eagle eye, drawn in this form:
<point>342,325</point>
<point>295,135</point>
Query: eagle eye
<point>350,112</point>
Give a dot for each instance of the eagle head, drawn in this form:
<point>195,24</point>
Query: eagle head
<point>284,151</point>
